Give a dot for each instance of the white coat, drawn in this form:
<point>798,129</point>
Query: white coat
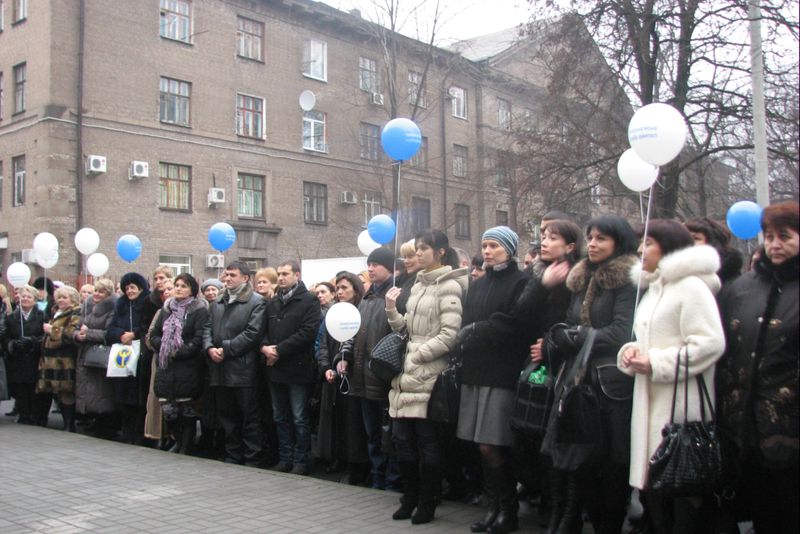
<point>678,310</point>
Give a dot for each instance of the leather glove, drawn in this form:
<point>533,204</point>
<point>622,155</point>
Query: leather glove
<point>565,339</point>
<point>465,336</point>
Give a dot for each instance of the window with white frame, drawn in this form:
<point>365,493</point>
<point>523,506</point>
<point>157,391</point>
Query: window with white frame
<point>174,183</point>
<point>250,195</point>
<point>314,131</point>
<point>372,205</point>
<point>368,79</point>
<point>369,141</point>
<point>503,114</point>
<point>20,83</point>
<point>315,203</point>
<point>501,217</point>
<point>175,100</point>
<point>462,221</point>
<point>458,99</point>
<point>420,159</point>
<point>249,116</point>
<point>420,214</point>
<point>20,10</point>
<point>460,161</point>
<point>18,192</point>
<point>175,20</point>
<point>416,90</point>
<point>179,263</point>
<point>315,59</point>
<point>250,38</point>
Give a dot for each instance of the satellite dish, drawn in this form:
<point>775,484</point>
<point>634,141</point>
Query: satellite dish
<point>307,100</point>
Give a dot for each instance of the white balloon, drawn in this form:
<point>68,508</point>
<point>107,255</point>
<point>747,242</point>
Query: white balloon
<point>657,132</point>
<point>18,274</point>
<point>97,264</point>
<point>47,260</point>
<point>342,321</point>
<point>307,100</point>
<point>366,243</point>
<point>86,241</point>
<point>45,243</point>
<point>635,173</point>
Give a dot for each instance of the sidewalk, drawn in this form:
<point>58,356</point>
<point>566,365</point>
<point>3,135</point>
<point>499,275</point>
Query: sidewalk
<point>57,482</point>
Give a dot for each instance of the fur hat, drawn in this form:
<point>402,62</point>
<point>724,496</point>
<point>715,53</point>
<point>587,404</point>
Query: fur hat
<point>136,279</point>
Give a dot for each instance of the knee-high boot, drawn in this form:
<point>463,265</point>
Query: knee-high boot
<point>68,415</point>
<point>430,478</point>
<point>492,496</point>
<point>506,520</point>
<point>571,521</point>
<point>188,430</point>
<point>557,498</point>
<point>410,498</point>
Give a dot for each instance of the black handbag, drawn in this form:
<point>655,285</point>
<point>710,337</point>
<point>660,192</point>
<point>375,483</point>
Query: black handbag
<point>445,397</point>
<point>388,354</point>
<point>96,356</point>
<point>688,461</point>
<point>533,399</point>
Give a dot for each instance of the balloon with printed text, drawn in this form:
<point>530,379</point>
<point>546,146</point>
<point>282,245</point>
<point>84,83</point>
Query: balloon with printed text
<point>222,236</point>
<point>657,132</point>
<point>342,321</point>
<point>18,274</point>
<point>401,139</point>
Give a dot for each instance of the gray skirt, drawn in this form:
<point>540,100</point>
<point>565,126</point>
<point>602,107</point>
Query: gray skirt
<point>485,415</point>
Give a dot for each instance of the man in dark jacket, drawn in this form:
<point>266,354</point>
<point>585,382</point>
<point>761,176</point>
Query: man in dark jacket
<point>293,317</point>
<point>231,338</point>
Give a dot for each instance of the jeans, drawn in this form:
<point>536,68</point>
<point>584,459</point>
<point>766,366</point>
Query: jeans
<point>290,412</point>
<point>383,469</point>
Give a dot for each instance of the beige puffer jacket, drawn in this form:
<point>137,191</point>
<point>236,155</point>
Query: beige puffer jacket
<point>433,319</point>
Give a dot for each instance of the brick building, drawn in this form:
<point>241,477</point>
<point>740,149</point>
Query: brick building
<point>161,117</point>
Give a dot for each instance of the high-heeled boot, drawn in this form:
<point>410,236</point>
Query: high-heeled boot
<point>492,497</point>
<point>506,520</point>
<point>429,480</point>
<point>410,498</point>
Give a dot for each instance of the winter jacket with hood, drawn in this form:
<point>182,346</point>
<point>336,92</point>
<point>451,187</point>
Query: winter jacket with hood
<point>433,318</point>
<point>677,312</point>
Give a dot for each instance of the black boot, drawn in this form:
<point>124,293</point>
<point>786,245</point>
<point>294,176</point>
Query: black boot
<point>188,430</point>
<point>506,520</point>
<point>68,415</point>
<point>571,521</point>
<point>410,473</point>
<point>490,487</point>
<point>430,479</point>
<point>558,489</point>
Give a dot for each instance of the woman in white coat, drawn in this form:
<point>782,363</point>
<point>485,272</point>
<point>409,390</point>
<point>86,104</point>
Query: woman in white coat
<point>677,314</point>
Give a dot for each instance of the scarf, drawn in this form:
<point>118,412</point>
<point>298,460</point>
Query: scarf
<point>232,294</point>
<point>172,330</point>
<point>286,294</point>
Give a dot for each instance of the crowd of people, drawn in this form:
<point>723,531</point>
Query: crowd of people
<point>243,368</point>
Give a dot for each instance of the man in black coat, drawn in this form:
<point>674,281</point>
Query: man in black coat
<point>293,317</point>
<point>231,339</point>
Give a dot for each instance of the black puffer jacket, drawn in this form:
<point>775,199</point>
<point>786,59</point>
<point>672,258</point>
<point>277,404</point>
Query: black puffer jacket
<point>22,362</point>
<point>184,375</point>
<point>238,328</point>
<point>757,378</point>
<point>292,327</point>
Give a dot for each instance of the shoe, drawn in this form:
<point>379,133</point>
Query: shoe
<point>12,413</point>
<point>281,467</point>
<point>229,460</point>
<point>300,469</point>
<point>506,521</point>
<point>409,471</point>
<point>429,486</point>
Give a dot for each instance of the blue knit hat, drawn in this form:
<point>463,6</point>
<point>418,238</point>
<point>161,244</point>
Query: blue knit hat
<point>504,235</point>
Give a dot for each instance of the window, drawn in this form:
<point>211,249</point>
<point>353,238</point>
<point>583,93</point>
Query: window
<point>20,79</point>
<point>503,169</point>
<point>501,175</point>
<point>368,75</point>
<point>174,184</point>
<point>420,159</point>
<point>176,20</point>
<point>254,263</point>
<point>1,16</point>
<point>250,191</point>
<point>175,101</point>
<point>250,116</point>
<point>372,205</point>
<point>1,170</point>
<point>503,114</point>
<point>315,59</point>
<point>459,102</point>
<point>20,10</point>
<point>18,193</point>
<point>180,263</point>
<point>416,91</point>
<point>315,203</point>
<point>314,131</point>
<point>460,161</point>
<point>501,218</point>
<point>462,221</point>
<point>250,38</point>
<point>420,214</point>
<point>1,77</point>
<point>369,140</point>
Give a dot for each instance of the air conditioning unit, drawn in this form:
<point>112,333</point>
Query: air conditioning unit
<point>215,261</point>
<point>95,164</point>
<point>139,169</point>
<point>28,255</point>
<point>216,195</point>
<point>377,99</point>
<point>348,197</point>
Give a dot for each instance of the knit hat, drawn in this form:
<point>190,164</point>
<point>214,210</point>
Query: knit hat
<point>211,282</point>
<point>504,235</point>
<point>382,256</point>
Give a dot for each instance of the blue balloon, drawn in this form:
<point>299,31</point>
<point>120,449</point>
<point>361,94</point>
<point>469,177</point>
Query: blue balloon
<point>222,236</point>
<point>401,139</point>
<point>744,219</point>
<point>381,229</point>
<point>129,247</point>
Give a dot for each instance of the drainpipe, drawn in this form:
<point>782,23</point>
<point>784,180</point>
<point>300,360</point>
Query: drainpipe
<point>446,98</point>
<point>79,168</point>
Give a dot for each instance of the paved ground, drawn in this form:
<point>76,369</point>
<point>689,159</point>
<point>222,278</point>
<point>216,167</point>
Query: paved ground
<point>54,481</point>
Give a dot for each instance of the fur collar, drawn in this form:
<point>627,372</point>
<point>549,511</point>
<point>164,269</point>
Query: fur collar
<point>701,261</point>
<point>612,274</point>
<point>104,307</point>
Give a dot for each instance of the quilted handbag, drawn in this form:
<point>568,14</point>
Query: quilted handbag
<point>446,394</point>
<point>388,355</point>
<point>688,461</point>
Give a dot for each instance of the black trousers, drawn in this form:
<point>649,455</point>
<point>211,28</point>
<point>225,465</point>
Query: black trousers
<point>416,440</point>
<point>239,417</point>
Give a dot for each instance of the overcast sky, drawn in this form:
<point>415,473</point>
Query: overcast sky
<point>462,19</point>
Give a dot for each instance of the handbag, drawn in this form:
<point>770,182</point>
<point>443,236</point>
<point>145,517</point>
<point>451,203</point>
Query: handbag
<point>575,434</point>
<point>388,354</point>
<point>688,461</point>
<point>96,356</point>
<point>123,359</point>
<point>533,399</point>
<point>445,396</point>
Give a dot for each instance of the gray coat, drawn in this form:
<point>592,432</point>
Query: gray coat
<point>94,393</point>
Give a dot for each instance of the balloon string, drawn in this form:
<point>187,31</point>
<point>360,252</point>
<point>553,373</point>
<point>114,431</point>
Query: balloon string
<point>641,260</point>
<point>397,222</point>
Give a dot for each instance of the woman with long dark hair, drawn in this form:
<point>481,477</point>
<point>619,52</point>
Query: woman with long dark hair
<point>707,231</point>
